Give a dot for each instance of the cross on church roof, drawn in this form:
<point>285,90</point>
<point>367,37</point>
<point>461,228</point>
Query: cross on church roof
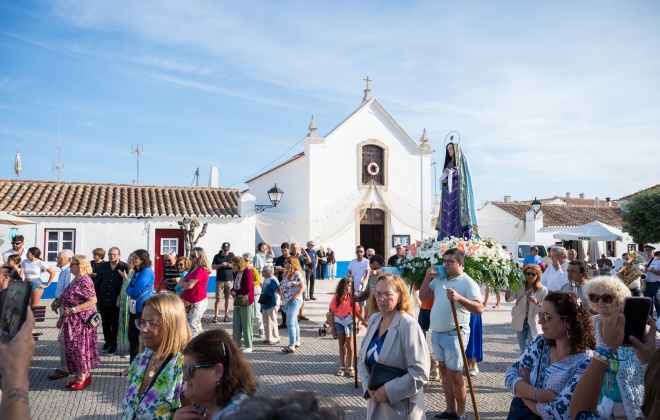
<point>367,91</point>
<point>367,80</point>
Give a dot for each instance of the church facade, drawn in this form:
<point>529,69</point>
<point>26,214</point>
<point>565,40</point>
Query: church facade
<point>365,182</point>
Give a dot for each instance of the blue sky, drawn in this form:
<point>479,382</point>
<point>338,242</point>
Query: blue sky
<point>549,97</point>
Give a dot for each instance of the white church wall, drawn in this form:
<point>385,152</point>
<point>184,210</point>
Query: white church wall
<point>499,224</point>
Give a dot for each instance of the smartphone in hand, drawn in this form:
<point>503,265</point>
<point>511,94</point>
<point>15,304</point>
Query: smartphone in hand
<point>636,310</point>
<point>14,309</point>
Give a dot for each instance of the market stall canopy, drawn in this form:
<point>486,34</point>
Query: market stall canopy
<point>8,219</point>
<point>594,231</point>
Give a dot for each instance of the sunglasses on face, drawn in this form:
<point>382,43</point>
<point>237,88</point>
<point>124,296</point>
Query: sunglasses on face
<point>546,317</point>
<point>189,370</point>
<point>594,298</point>
<point>531,274</point>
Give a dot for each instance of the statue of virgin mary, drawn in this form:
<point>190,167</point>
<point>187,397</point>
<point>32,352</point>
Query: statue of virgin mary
<point>457,216</point>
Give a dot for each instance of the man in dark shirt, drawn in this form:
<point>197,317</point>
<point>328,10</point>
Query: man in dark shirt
<point>400,253</point>
<point>279,268</point>
<point>108,284</point>
<point>224,279</point>
<point>170,274</point>
<point>310,270</point>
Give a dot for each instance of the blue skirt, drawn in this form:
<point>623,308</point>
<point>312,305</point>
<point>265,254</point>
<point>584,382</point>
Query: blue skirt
<point>475,348</point>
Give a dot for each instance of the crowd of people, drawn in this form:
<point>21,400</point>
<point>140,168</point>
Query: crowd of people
<point>176,370</point>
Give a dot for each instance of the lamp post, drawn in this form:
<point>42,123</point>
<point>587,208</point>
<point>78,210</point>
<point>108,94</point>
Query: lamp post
<point>536,207</point>
<point>274,195</point>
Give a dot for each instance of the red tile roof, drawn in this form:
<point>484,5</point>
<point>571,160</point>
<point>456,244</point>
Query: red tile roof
<point>555,215</point>
<point>43,198</point>
<point>573,201</point>
<point>653,188</point>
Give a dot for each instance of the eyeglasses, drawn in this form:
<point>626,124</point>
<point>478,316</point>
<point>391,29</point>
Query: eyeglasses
<point>16,243</point>
<point>189,370</point>
<point>594,298</point>
<point>449,261</point>
<point>531,274</point>
<point>359,252</point>
<point>74,263</point>
<point>179,264</point>
<point>546,317</point>
<point>149,325</point>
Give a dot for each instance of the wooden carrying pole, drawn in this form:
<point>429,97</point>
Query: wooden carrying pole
<point>465,362</point>
<point>355,349</point>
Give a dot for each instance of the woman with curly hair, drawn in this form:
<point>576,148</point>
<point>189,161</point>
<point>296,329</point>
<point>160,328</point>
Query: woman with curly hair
<point>623,392</point>
<point>542,380</point>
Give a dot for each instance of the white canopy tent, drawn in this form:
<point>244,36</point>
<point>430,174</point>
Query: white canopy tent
<point>595,233</point>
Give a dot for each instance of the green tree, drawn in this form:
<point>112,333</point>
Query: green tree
<point>641,217</point>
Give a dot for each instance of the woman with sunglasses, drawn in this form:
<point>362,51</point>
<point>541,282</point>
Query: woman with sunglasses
<point>218,377</point>
<point>155,377</point>
<point>194,289</point>
<point>623,392</point>
<point>544,377</point>
<point>528,303</point>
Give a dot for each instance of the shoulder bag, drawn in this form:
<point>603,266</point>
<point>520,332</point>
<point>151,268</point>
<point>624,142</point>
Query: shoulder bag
<point>266,300</point>
<point>381,374</point>
<point>241,300</point>
<point>94,320</point>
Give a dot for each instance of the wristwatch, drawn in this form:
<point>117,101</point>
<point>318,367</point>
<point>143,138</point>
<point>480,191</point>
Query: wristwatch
<point>74,310</point>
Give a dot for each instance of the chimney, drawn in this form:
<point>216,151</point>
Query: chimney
<point>596,202</point>
<point>568,195</point>
<point>507,198</point>
<point>609,203</point>
<point>213,177</point>
<point>581,195</point>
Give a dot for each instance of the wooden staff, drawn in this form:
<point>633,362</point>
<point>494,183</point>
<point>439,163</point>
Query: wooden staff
<point>354,338</point>
<point>465,362</point>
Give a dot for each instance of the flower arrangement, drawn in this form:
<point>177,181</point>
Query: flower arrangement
<point>485,261</point>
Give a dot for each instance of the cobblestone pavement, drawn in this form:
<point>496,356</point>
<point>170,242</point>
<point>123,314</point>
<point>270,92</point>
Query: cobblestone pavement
<point>312,367</point>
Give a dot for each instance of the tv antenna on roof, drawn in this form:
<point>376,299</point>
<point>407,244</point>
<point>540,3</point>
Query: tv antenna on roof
<point>137,149</point>
<point>58,166</point>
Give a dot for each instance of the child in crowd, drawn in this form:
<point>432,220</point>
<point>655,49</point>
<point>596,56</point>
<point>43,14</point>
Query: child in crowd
<point>340,322</point>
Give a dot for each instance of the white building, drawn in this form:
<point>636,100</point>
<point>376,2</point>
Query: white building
<point>365,182</point>
<point>84,216</point>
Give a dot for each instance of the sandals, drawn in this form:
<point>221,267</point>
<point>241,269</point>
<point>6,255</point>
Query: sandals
<point>215,319</point>
<point>226,318</point>
<point>288,350</point>
<point>298,344</point>
<point>351,371</point>
<point>341,371</point>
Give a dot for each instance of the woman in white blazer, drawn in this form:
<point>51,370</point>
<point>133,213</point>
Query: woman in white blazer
<point>394,339</point>
<point>528,301</point>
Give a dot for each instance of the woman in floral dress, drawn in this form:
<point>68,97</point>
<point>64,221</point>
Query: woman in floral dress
<point>80,341</point>
<point>155,376</point>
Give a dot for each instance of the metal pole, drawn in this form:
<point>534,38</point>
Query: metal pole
<point>355,350</point>
<point>465,362</point>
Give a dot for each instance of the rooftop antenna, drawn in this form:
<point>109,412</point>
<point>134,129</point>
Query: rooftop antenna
<point>137,149</point>
<point>58,166</point>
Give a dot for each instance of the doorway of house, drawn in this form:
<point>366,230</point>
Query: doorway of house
<point>372,231</point>
<point>166,240</point>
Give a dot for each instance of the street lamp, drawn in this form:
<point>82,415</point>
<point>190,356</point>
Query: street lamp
<point>274,195</point>
<point>536,207</point>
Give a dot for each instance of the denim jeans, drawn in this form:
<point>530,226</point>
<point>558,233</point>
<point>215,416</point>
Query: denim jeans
<point>652,292</point>
<point>524,337</point>
<point>292,308</point>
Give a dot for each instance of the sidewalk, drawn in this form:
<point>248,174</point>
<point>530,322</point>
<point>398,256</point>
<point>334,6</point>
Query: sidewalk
<point>312,367</point>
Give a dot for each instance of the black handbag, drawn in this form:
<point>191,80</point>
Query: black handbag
<point>241,300</point>
<point>381,374</point>
<point>519,411</point>
<point>94,320</point>
<point>266,300</point>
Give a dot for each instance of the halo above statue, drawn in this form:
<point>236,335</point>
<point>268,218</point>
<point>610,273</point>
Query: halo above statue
<point>450,138</point>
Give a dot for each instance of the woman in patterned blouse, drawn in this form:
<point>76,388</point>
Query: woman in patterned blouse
<point>156,375</point>
<point>544,377</point>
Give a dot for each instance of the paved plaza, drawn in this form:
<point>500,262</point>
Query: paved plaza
<point>312,367</point>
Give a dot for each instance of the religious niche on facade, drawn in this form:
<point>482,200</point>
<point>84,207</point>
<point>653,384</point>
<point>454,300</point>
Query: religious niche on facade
<point>372,165</point>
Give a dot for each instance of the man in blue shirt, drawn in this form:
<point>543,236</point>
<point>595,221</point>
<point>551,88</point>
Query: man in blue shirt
<point>533,258</point>
<point>310,270</point>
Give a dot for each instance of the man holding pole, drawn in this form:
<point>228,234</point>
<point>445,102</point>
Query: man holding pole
<point>465,294</point>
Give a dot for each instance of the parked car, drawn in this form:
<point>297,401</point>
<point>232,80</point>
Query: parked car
<point>519,250</point>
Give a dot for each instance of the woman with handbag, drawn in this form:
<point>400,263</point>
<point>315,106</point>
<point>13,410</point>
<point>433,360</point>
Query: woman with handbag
<point>268,301</point>
<point>542,380</point>
<point>394,360</point>
<point>80,340</point>
<point>527,305</point>
<point>194,289</point>
<point>243,293</point>
<point>139,289</point>
<point>155,378</point>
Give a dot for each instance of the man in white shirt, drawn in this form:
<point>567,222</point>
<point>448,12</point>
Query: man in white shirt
<point>555,276</point>
<point>16,248</point>
<point>358,268</point>
<point>65,277</point>
<point>652,271</point>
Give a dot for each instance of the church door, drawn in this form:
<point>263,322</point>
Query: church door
<point>372,231</point>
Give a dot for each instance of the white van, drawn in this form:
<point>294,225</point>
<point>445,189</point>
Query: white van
<point>519,250</point>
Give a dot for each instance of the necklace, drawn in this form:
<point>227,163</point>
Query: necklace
<point>558,358</point>
<point>208,413</point>
<point>154,368</point>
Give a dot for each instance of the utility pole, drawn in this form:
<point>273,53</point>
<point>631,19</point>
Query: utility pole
<point>197,176</point>
<point>137,149</point>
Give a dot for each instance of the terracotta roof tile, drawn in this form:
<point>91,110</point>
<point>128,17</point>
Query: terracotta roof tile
<point>560,215</point>
<point>653,188</point>
<point>43,198</point>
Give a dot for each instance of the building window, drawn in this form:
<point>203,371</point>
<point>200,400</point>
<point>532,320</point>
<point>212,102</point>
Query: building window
<point>168,245</point>
<point>373,165</point>
<point>57,240</point>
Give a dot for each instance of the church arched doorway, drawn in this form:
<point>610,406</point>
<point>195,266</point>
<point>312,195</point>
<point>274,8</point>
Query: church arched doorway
<point>372,230</point>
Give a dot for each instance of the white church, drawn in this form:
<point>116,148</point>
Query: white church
<point>376,187</point>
